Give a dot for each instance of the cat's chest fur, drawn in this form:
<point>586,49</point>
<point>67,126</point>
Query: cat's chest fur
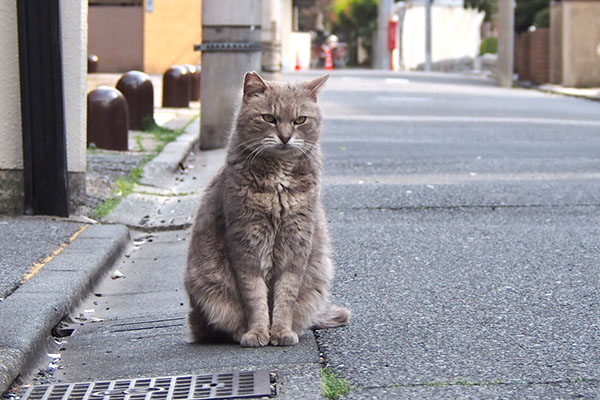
<point>272,203</point>
<point>279,195</point>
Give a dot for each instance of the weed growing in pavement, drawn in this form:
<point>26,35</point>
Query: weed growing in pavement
<point>333,387</point>
<point>126,184</point>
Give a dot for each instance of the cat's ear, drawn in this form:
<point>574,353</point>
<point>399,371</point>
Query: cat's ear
<point>314,86</point>
<point>253,85</point>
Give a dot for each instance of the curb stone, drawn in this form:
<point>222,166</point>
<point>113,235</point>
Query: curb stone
<point>30,313</point>
<point>162,167</point>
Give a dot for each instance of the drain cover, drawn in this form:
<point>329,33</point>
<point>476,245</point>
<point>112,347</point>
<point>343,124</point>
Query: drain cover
<point>186,387</point>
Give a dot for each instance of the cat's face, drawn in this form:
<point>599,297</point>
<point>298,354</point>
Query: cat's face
<point>277,117</point>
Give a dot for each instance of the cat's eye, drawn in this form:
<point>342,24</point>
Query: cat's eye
<point>300,120</point>
<point>269,118</point>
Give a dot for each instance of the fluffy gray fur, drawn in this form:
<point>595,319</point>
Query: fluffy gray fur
<point>259,267</point>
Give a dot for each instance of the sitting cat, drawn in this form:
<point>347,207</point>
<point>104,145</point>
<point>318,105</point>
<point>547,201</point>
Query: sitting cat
<point>258,265</point>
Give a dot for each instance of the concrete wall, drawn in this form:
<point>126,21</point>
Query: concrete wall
<point>11,156</point>
<point>170,32</point>
<point>581,38</point>
<point>11,153</point>
<point>74,48</point>
<point>115,36</point>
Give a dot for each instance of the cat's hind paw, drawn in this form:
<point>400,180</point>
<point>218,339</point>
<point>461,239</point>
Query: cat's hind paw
<point>254,338</point>
<point>284,337</point>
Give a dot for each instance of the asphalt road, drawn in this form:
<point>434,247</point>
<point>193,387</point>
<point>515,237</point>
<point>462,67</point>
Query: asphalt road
<point>466,231</point>
<point>465,221</point>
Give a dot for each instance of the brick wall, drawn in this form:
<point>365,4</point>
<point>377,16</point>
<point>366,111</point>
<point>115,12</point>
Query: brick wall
<point>539,56</point>
<point>532,56</point>
<point>170,32</point>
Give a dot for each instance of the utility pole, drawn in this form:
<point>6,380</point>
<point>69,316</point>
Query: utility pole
<point>271,36</point>
<point>506,21</point>
<point>427,35</point>
<point>381,56</point>
<point>231,46</point>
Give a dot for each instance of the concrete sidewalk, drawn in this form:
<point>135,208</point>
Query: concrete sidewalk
<point>50,264</point>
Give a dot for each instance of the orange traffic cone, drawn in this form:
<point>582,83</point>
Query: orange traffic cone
<point>298,66</point>
<point>328,59</point>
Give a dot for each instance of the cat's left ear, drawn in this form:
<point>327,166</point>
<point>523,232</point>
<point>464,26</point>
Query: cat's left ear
<point>253,85</point>
<point>314,86</point>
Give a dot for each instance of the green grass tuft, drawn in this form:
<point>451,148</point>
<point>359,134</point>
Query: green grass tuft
<point>126,184</point>
<point>333,387</point>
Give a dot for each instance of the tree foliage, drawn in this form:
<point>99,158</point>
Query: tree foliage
<point>489,7</point>
<point>525,13</point>
<point>355,19</point>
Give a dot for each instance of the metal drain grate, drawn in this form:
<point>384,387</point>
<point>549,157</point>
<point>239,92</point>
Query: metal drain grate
<point>186,387</point>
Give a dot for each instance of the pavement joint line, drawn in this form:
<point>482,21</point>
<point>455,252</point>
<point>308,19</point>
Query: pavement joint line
<point>183,194</point>
<point>466,383</point>
<point>158,228</point>
<point>460,207</point>
<point>37,267</point>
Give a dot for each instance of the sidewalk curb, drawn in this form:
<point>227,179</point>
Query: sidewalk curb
<point>553,89</point>
<point>29,314</point>
<point>168,161</point>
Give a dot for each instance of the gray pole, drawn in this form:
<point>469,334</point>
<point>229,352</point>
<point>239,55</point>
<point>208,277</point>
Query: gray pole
<point>231,44</point>
<point>271,36</point>
<point>506,18</point>
<point>427,35</point>
<point>381,56</point>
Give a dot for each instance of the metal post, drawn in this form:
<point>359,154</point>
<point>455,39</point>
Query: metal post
<point>42,112</point>
<point>428,35</point>
<point>506,17</point>
<point>231,34</point>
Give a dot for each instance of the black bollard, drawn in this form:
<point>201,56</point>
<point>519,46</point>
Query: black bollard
<point>194,71</point>
<point>176,87</point>
<point>107,119</point>
<point>92,63</point>
<point>137,88</point>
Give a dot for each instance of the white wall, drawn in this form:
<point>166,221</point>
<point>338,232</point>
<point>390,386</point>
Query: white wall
<point>74,33</point>
<point>74,53</point>
<point>11,153</point>
<point>455,33</point>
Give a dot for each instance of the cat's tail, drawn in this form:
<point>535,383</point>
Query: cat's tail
<point>331,316</point>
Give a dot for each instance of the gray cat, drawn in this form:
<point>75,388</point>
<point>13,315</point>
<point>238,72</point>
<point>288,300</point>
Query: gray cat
<point>258,266</point>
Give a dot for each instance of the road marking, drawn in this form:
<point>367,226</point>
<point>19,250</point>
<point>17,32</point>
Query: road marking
<point>460,119</point>
<point>37,267</point>
<point>454,179</point>
<point>397,80</point>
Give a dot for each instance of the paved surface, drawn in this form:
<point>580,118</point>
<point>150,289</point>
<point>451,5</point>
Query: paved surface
<point>464,218</point>
<point>465,222</point>
<point>26,241</point>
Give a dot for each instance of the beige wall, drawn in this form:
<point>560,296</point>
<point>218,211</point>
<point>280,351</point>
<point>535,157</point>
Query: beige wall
<point>74,54</point>
<point>556,32</point>
<point>115,36</point>
<point>10,106</point>
<point>170,32</point>
<point>581,38</point>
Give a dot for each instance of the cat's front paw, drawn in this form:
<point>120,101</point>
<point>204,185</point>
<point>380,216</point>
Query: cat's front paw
<point>255,338</point>
<point>283,337</point>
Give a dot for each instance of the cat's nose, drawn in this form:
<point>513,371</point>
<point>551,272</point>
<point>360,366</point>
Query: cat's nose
<point>284,138</point>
